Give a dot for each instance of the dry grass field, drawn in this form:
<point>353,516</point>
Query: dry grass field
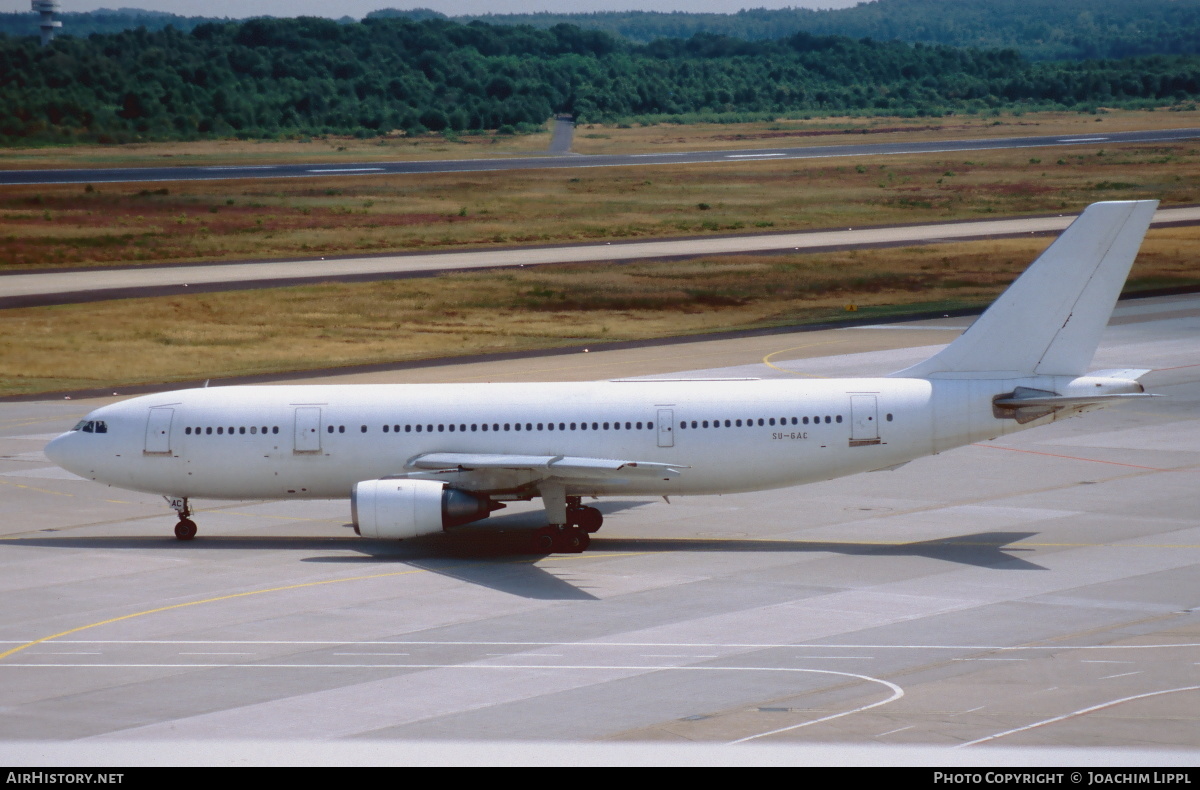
<point>239,333</point>
<point>57,226</point>
<point>610,139</point>
<point>324,148</point>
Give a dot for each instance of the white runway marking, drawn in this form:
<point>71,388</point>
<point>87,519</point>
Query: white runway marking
<point>1073,714</point>
<point>897,693</point>
<point>737,645</point>
<point>349,170</point>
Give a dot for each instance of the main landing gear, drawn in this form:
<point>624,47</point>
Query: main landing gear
<point>186,528</point>
<point>574,536</point>
<point>561,539</point>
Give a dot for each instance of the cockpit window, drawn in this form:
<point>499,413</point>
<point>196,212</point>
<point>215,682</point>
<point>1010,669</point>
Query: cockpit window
<point>91,426</point>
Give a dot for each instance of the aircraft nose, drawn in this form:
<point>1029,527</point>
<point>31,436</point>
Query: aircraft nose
<point>59,451</point>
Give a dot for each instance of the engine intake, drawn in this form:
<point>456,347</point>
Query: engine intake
<point>398,509</point>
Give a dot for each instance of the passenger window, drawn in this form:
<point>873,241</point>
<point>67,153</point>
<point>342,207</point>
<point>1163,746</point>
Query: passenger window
<point>418,429</point>
<point>253,429</point>
<point>889,418</point>
<point>839,418</point>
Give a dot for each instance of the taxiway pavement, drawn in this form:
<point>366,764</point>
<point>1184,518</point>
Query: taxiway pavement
<point>1038,591</point>
<point>342,169</point>
<point>96,284</point>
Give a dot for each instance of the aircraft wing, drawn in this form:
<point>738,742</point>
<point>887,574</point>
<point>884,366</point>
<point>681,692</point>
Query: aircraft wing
<point>544,466</point>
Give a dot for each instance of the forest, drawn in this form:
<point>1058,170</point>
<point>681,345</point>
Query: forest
<point>1066,29</point>
<point>307,76</point>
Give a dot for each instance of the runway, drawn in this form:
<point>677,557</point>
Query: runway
<point>342,169</point>
<point>95,284</point>
<point>977,607</point>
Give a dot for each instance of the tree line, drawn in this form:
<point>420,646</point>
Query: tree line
<point>1063,29</point>
<point>306,76</point>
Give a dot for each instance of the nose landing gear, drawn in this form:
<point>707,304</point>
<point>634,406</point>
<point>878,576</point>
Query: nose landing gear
<point>186,528</point>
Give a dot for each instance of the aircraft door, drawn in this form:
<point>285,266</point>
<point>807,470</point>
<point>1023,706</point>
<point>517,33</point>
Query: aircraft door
<point>158,431</point>
<point>308,429</point>
<point>666,428</point>
<point>864,420</point>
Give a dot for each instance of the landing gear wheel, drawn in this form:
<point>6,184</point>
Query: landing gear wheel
<point>561,539</point>
<point>588,518</point>
<point>544,540</point>
<point>574,540</point>
<point>185,529</point>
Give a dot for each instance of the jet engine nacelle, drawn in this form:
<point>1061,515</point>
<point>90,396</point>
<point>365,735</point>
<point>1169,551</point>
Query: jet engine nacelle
<point>398,509</point>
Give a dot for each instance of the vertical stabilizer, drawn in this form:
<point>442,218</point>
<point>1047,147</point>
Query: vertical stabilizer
<point>1049,320</point>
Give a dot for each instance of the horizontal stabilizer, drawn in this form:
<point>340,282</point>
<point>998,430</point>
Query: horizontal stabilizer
<point>1062,401</point>
<point>1025,404</point>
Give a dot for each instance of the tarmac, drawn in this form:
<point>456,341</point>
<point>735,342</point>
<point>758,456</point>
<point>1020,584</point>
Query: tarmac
<point>1031,600</point>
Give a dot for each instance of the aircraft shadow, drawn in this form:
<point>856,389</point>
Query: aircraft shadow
<point>498,557</point>
<point>981,549</point>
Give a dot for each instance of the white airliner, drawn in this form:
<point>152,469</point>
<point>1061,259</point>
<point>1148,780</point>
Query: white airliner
<point>416,459</point>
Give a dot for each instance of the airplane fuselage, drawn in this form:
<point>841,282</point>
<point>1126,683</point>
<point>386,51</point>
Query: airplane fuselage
<point>318,441</point>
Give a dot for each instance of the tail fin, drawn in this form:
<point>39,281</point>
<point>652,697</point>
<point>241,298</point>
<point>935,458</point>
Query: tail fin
<point>1049,320</point>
